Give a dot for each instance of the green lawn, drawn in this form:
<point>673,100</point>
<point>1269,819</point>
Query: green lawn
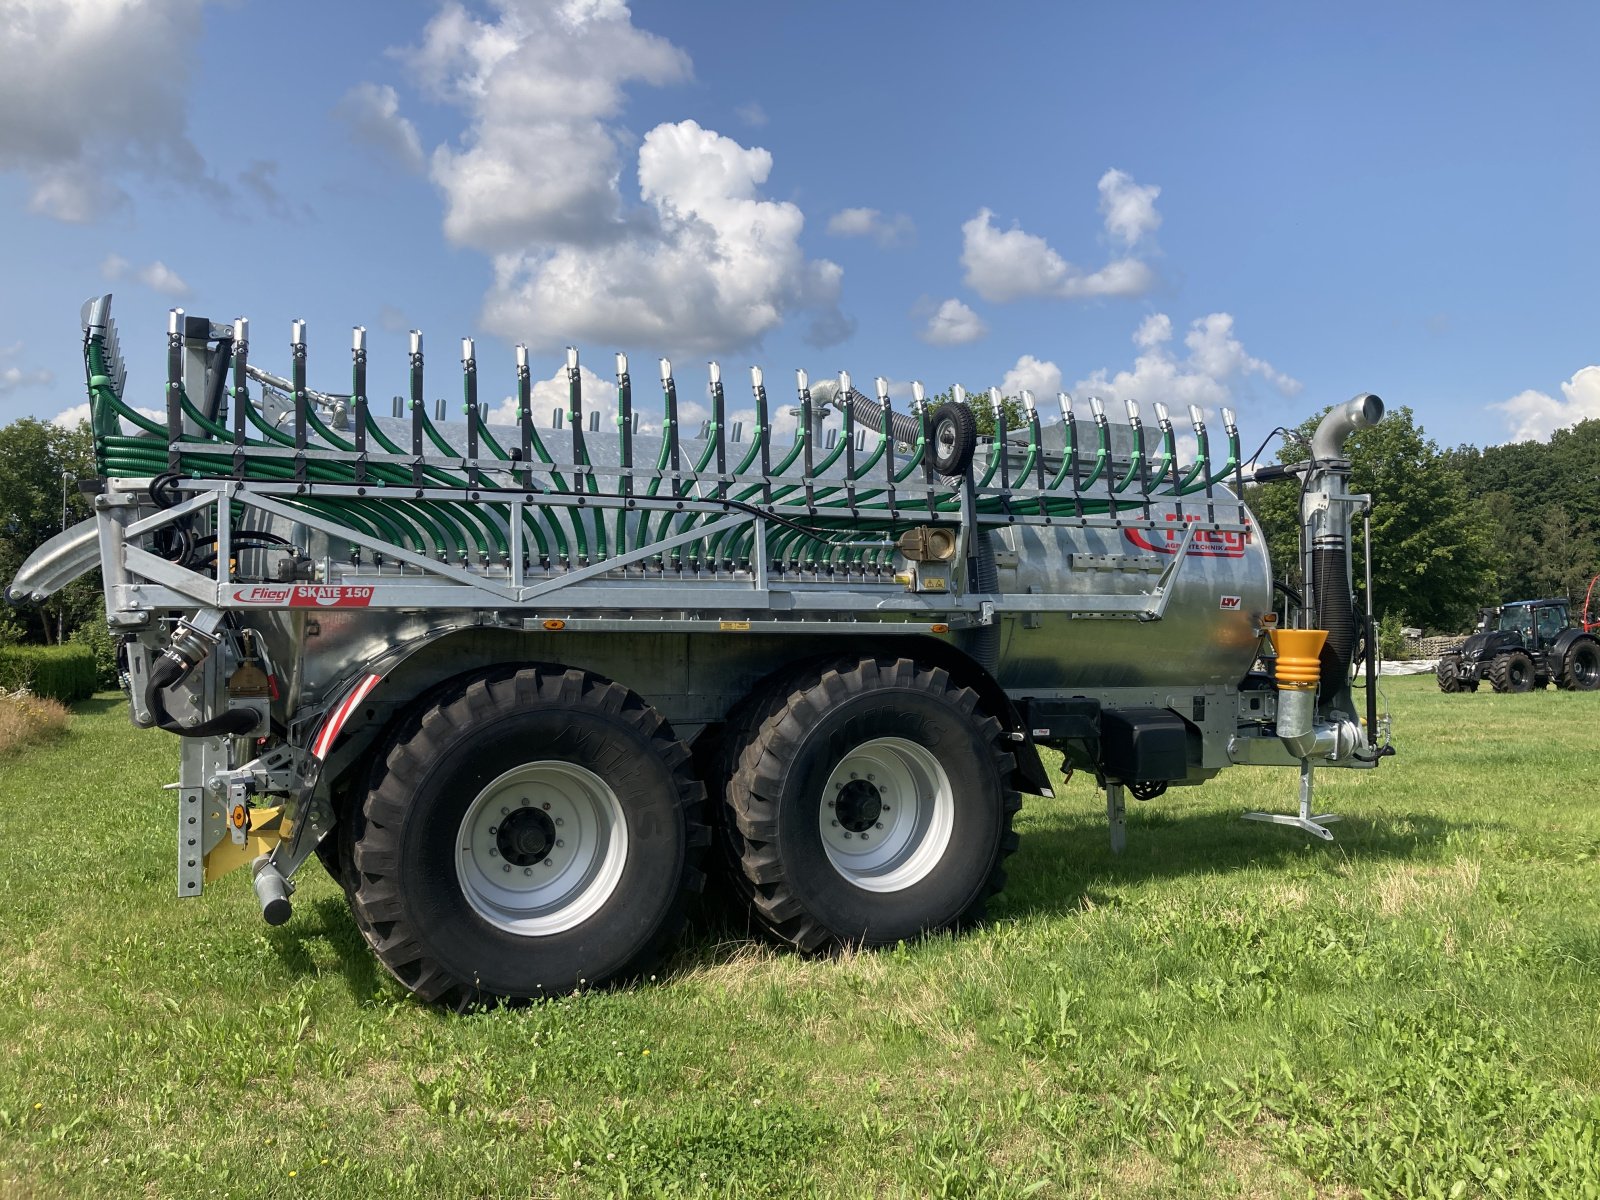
<point>1224,1010</point>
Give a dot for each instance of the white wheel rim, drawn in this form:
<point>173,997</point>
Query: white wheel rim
<point>541,848</point>
<point>886,814</point>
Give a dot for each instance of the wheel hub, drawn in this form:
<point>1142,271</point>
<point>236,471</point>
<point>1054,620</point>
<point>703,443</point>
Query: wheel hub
<point>525,837</point>
<point>858,806</point>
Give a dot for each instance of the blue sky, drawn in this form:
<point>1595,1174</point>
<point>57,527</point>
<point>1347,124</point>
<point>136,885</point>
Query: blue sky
<point>1267,206</point>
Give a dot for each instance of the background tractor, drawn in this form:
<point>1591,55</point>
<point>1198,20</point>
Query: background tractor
<point>1522,646</point>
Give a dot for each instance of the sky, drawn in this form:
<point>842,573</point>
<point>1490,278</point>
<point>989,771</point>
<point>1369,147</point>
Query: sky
<point>1264,206</point>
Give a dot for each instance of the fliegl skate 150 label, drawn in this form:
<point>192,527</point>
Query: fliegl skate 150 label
<point>304,595</point>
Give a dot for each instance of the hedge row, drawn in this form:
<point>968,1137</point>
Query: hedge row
<point>65,673</point>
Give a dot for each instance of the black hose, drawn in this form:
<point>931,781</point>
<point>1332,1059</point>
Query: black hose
<point>221,354</point>
<point>170,671</point>
<point>868,412</point>
<point>1335,612</point>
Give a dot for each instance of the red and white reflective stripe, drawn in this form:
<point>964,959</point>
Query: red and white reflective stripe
<point>335,722</point>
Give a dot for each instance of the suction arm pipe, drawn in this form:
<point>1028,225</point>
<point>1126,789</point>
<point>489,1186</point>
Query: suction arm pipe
<point>1361,412</point>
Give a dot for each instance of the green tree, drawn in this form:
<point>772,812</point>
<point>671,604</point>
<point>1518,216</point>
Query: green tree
<point>1547,518</point>
<point>1433,554</point>
<point>39,468</point>
<point>983,411</point>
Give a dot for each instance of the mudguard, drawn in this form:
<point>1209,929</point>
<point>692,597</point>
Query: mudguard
<point>72,553</point>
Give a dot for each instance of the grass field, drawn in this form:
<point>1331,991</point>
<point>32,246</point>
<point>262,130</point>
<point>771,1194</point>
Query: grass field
<point>1224,1010</point>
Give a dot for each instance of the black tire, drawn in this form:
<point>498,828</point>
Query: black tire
<point>1448,673</point>
<point>1580,669</point>
<point>1512,672</point>
<point>915,720</point>
<point>955,437</point>
<point>729,896</point>
<point>455,934</point>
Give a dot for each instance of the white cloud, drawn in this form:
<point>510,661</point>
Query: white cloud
<point>1041,377</point>
<point>719,268</point>
<point>869,222</point>
<point>12,378</point>
<point>1534,416</point>
<point>535,181</point>
<point>538,161</point>
<point>751,114</point>
<point>1129,208</point>
<point>547,395</point>
<point>1207,376</point>
<point>1153,330</point>
<point>1009,264</point>
<point>15,378</point>
<point>156,276</point>
<point>372,113</point>
<point>953,324</point>
<point>1217,353</point>
<point>73,193</point>
<point>93,92</point>
<point>68,418</point>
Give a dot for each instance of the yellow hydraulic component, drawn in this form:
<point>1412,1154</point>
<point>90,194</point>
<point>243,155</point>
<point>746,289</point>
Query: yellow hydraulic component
<point>1298,667</point>
<point>264,829</point>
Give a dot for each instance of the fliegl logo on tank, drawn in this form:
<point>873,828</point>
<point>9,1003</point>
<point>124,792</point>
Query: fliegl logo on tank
<point>1207,543</point>
<point>306,595</point>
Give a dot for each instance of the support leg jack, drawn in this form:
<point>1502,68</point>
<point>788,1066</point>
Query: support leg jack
<point>1314,825</point>
<point>1117,810</point>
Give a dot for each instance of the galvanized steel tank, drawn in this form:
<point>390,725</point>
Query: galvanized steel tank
<point>1206,636</point>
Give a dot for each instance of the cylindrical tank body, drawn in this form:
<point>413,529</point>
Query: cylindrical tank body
<point>1206,635</point>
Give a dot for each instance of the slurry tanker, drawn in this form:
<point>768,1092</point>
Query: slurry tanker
<point>520,687</point>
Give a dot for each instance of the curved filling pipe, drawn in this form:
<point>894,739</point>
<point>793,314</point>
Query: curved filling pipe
<point>1360,412</point>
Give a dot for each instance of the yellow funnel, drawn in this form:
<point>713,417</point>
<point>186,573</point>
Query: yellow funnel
<point>1299,668</point>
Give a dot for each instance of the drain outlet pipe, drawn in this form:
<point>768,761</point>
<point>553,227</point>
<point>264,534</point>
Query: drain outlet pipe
<point>1298,672</point>
<point>272,891</point>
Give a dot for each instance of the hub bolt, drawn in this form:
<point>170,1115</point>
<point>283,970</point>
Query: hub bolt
<point>506,868</point>
<point>835,824</point>
<point>558,821</point>
<point>527,870</point>
<point>879,825</point>
<point>547,862</point>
